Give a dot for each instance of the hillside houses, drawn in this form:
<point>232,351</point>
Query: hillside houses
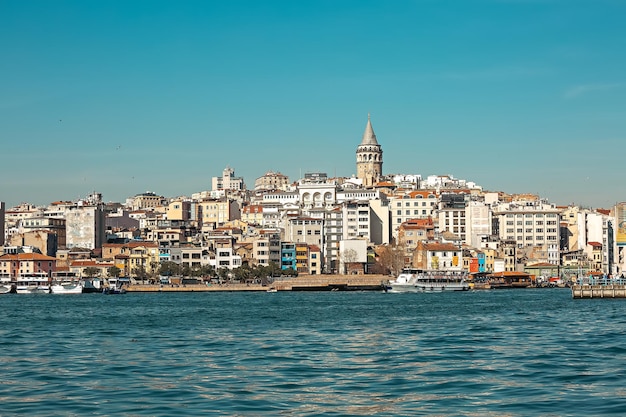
<point>315,224</point>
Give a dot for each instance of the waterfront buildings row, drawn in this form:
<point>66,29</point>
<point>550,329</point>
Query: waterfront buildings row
<point>319,224</point>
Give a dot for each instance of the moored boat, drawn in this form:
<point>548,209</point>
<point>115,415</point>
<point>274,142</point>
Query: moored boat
<point>33,283</point>
<point>65,282</point>
<point>6,286</point>
<point>416,280</point>
<point>66,287</point>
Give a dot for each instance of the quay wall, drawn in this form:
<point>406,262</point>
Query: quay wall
<point>300,283</point>
<point>599,291</point>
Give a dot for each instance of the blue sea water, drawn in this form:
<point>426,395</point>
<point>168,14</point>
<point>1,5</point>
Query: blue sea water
<point>485,353</point>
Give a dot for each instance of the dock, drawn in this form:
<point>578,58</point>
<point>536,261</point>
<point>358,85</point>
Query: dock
<point>300,283</point>
<point>599,291</point>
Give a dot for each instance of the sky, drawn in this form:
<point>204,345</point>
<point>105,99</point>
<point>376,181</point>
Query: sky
<point>123,97</point>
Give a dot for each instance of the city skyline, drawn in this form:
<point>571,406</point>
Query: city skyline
<point>520,96</point>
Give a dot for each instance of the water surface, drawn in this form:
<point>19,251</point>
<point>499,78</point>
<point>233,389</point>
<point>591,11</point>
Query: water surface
<point>484,353</point>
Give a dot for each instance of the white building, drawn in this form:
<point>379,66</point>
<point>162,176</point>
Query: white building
<point>228,181</point>
<point>530,224</point>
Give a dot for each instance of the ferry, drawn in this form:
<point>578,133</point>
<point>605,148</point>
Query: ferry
<point>418,280</point>
<point>33,283</point>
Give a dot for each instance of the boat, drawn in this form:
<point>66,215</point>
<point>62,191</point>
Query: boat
<point>66,287</point>
<point>33,283</point>
<point>91,285</point>
<point>272,290</point>
<point>6,286</point>
<point>115,286</point>
<point>65,282</point>
<point>112,290</point>
<point>417,280</point>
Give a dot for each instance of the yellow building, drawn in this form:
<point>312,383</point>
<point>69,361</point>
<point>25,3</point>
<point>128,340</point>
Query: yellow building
<point>214,213</point>
<point>133,256</point>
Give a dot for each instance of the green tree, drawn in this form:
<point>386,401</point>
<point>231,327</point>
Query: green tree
<point>91,271</point>
<point>114,271</point>
<point>140,273</point>
<point>169,268</point>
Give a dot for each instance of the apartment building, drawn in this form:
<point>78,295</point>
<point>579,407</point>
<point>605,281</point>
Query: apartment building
<point>214,213</point>
<point>420,204</point>
<point>452,214</point>
<point>266,247</point>
<point>529,224</point>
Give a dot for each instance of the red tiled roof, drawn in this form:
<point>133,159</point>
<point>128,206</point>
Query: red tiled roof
<point>26,257</point>
<point>440,247</point>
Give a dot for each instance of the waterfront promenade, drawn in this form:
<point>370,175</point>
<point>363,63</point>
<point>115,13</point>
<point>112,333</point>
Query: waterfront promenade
<point>300,283</point>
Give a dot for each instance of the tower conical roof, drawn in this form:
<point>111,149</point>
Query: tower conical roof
<point>369,137</point>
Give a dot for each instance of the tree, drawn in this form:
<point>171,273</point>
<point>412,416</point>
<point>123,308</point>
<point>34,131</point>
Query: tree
<point>169,268</point>
<point>140,273</point>
<point>114,271</point>
<point>391,259</point>
<point>91,271</point>
<point>274,270</point>
<point>290,272</point>
<point>349,256</point>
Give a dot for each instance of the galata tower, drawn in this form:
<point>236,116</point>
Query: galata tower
<point>369,157</point>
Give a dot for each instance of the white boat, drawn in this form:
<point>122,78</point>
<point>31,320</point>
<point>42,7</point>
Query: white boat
<point>416,280</point>
<point>65,282</point>
<point>33,283</point>
<point>5,284</point>
<point>66,287</point>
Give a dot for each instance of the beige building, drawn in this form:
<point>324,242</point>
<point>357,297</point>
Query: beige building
<point>147,200</point>
<point>252,214</point>
<point>179,210</point>
<point>438,256</point>
<point>271,181</point>
<point>132,256</point>
<point>421,204</point>
<point>214,213</point>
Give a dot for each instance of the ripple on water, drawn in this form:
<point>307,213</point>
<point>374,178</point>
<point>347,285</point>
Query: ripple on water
<point>491,353</point>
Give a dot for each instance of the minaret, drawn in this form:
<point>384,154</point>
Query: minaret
<point>369,157</point>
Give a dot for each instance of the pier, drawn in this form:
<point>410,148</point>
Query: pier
<point>301,283</point>
<point>599,291</point>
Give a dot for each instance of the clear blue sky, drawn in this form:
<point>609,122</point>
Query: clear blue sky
<point>127,96</point>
